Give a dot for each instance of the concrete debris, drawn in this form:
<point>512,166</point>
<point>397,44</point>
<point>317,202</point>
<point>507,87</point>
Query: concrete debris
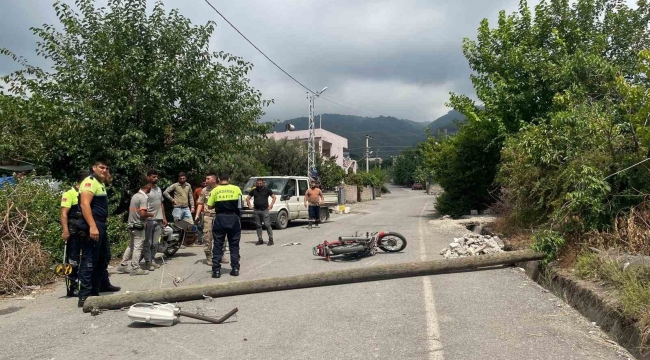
<point>95,311</point>
<point>472,244</point>
<point>446,217</point>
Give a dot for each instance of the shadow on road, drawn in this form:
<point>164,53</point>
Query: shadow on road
<point>341,258</point>
<point>182,254</point>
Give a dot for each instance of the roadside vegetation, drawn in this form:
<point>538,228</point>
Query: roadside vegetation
<point>631,285</point>
<point>558,142</point>
<point>143,90</point>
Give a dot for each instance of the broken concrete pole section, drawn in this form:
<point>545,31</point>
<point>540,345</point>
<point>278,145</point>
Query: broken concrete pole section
<point>338,277</point>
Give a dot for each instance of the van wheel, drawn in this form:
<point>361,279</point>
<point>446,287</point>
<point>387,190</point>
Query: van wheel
<point>324,215</point>
<point>282,221</point>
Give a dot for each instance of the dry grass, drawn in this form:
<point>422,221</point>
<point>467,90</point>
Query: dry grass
<point>631,285</point>
<point>23,261</point>
<point>568,257</point>
<point>631,232</point>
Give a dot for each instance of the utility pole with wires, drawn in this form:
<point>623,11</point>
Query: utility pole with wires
<point>311,147</point>
<point>368,153</point>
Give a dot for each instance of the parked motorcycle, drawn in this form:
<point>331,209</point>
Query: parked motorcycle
<point>173,236</point>
<point>359,246</point>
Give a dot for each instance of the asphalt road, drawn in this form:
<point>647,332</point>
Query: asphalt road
<point>490,314</point>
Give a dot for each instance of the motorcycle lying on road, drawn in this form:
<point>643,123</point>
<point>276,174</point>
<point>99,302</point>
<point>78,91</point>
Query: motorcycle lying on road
<point>359,246</point>
<point>173,236</point>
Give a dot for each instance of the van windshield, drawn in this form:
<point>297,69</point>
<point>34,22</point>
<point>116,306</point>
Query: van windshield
<point>275,184</point>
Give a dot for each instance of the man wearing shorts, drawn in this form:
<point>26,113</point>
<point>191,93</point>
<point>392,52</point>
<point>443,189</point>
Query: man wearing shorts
<point>314,197</point>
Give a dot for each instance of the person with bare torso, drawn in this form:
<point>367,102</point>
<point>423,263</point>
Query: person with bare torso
<point>314,196</point>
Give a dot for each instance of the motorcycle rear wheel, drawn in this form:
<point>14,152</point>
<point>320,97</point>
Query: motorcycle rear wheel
<point>393,242</point>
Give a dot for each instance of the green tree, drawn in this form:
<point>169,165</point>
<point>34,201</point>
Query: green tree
<point>142,90</point>
<point>330,173</point>
<point>636,106</point>
<point>522,64</point>
<point>405,166</point>
<point>242,166</point>
<point>529,68</point>
<point>284,157</point>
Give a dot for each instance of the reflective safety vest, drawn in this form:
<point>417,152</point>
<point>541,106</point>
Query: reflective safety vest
<point>99,203</point>
<point>225,199</point>
<point>70,199</point>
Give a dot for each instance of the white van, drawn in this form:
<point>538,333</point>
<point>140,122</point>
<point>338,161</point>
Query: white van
<point>289,200</point>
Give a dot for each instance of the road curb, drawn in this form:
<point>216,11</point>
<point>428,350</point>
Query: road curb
<point>582,296</point>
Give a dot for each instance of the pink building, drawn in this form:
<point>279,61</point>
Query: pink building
<point>327,144</point>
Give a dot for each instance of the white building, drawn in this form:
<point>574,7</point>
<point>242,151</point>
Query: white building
<point>327,144</point>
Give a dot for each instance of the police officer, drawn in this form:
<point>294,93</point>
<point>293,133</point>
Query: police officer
<point>70,215</point>
<point>95,251</point>
<point>226,200</point>
<point>208,217</point>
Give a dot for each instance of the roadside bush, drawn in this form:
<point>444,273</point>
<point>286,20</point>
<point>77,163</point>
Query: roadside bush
<point>548,242</point>
<point>556,172</point>
<point>30,238</point>
<point>353,179</point>
<point>118,237</point>
<point>465,167</point>
<point>375,178</point>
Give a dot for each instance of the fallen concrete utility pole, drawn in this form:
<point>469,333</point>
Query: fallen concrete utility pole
<point>338,277</point>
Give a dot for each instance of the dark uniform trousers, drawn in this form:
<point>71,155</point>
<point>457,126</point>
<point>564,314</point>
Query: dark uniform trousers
<point>72,251</point>
<point>225,225</point>
<point>72,245</point>
<point>95,256</point>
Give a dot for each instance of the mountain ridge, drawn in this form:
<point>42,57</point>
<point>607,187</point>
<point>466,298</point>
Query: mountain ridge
<point>390,134</point>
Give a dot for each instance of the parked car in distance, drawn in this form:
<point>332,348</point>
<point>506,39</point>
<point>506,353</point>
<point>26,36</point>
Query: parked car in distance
<point>289,204</point>
<point>417,186</point>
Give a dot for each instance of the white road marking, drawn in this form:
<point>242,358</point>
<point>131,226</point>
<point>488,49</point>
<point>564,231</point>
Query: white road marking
<point>433,329</point>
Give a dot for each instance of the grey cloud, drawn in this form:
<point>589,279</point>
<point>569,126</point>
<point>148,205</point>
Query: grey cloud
<point>398,58</point>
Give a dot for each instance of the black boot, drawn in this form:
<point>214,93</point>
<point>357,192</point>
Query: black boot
<point>110,288</point>
<point>259,242</point>
<point>270,242</point>
<point>216,274</point>
<point>234,271</point>
<point>71,285</point>
<point>81,301</point>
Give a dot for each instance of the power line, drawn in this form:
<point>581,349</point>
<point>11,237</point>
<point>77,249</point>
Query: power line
<point>258,49</point>
<point>343,106</point>
<point>349,103</point>
<point>328,99</point>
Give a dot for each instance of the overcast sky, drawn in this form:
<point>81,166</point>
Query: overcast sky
<point>387,57</point>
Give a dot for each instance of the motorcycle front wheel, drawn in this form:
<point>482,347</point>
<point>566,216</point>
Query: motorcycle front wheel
<point>393,242</point>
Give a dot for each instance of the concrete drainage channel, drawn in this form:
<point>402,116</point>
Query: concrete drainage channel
<point>584,297</point>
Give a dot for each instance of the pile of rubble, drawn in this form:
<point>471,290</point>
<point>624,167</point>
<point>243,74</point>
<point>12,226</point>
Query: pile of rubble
<point>472,244</point>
